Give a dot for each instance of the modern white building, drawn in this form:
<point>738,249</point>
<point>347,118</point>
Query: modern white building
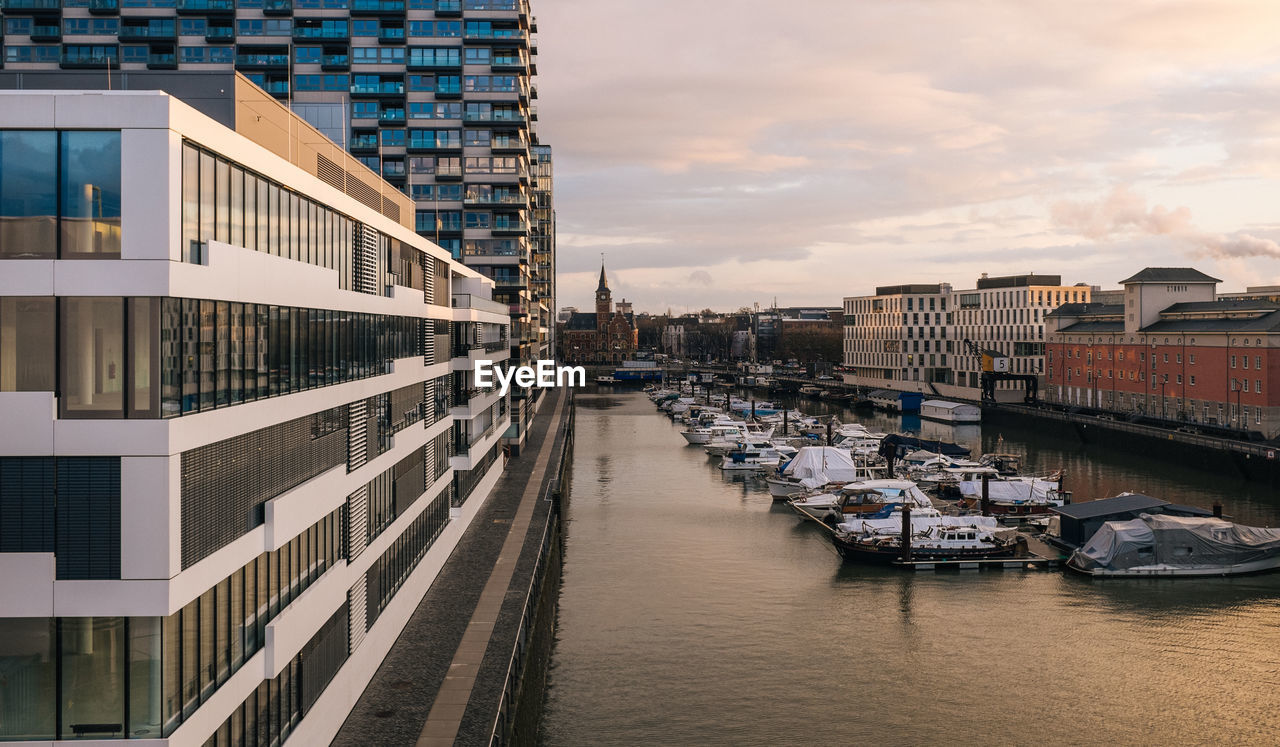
<point>898,338</point>
<point>1007,315</point>
<point>240,436</point>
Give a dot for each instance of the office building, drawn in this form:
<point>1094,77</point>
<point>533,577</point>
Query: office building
<point>435,95</point>
<point>898,338</point>
<point>1006,315</point>
<point>241,437</point>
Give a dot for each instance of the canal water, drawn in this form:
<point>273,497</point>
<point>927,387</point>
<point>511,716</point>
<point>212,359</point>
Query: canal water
<point>695,611</point>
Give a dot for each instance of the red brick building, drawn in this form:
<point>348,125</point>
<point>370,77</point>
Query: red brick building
<point>606,337</point>
<point>1171,350</point>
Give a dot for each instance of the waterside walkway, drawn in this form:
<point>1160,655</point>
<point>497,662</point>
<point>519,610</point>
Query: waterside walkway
<point>449,677</point>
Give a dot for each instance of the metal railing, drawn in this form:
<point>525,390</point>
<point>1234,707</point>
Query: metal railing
<point>512,683</point>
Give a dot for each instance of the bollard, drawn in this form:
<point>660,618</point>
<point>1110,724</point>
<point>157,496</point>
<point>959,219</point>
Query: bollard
<point>985,505</point>
<point>906,533</point>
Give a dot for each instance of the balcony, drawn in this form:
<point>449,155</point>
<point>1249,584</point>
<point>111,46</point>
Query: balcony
<point>377,7</point>
<point>162,61</point>
<point>509,64</point>
<point>100,58</point>
<point>262,61</point>
<point>448,8</point>
<point>29,6</point>
<point>46,33</point>
<point>317,33</point>
<point>509,145</point>
<point>501,116</point>
<point>393,170</point>
<point>156,32</point>
<point>394,35</point>
<point>479,303</point>
<point>385,88</point>
<point>206,7</point>
<point>364,143</point>
<point>494,198</point>
<point>506,35</point>
<point>335,62</point>
<point>215,34</point>
<point>104,7</point>
<point>449,173</point>
<point>510,228</point>
<point>391,116</point>
<point>277,7</point>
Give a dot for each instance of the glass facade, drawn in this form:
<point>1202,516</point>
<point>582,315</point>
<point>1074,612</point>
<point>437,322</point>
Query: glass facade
<point>59,194</point>
<point>148,357</point>
<point>223,201</point>
<point>140,677</point>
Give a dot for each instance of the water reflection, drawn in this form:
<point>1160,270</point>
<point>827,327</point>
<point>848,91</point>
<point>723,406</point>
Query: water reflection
<point>694,610</point>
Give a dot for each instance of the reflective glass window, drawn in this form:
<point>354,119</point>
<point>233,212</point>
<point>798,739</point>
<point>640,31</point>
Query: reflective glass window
<point>90,194</point>
<point>28,196</point>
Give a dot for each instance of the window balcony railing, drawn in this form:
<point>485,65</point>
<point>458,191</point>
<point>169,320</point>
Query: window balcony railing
<point>492,4</point>
<point>277,7</point>
<point>377,6</point>
<point>391,35</point>
<point>219,33</point>
<point>510,226</point>
<point>499,198</point>
<point>46,33</point>
<point>206,6</point>
<point>262,60</point>
<point>497,34</point>
<point>500,115</point>
<point>364,142</point>
<point>104,6</point>
<point>14,5</point>
<point>390,88</point>
<point>335,62</point>
<point>329,33</point>
<point>391,116</point>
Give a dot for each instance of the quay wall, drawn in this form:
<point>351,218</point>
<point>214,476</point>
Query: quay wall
<point>520,707</point>
<point>1254,461</point>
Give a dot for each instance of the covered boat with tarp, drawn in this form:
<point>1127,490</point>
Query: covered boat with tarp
<point>812,468</point>
<point>1164,545</point>
<point>1019,498</point>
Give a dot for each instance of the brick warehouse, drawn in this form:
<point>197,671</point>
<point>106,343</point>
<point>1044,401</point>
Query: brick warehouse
<point>1173,350</point>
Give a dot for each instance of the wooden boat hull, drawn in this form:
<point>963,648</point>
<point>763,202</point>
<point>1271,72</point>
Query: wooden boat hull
<point>855,551</point>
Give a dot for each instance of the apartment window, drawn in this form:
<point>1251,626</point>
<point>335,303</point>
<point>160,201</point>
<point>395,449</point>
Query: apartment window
<point>1191,380</point>
<point>26,344</point>
<point>1257,362</point>
<point>1257,386</point>
<point>1233,361</point>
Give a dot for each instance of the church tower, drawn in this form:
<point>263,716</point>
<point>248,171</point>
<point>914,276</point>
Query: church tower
<point>604,304</point>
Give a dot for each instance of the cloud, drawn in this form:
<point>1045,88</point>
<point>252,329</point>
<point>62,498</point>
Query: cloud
<point>1125,212</point>
<point>814,153</point>
<point>701,277</point>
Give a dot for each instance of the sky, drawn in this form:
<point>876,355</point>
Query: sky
<point>723,153</point>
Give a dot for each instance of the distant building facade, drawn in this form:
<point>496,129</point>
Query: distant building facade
<point>898,338</point>
<point>606,337</point>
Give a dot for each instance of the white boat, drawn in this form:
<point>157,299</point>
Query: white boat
<point>864,497</point>
<point>922,520</point>
<point>1184,546</point>
<point>751,459</point>
<point>731,432</point>
<point>606,380</point>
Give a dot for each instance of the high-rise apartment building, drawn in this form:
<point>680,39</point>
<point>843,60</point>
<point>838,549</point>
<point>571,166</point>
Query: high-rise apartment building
<point>435,95</point>
<point>240,436</point>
